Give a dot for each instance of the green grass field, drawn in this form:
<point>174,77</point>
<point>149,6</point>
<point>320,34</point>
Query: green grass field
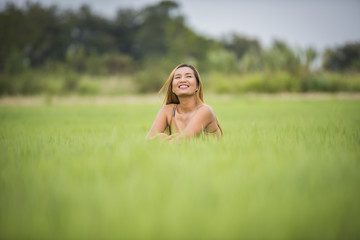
<point>285,169</point>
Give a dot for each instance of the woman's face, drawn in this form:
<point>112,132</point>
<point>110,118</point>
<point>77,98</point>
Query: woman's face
<point>184,82</point>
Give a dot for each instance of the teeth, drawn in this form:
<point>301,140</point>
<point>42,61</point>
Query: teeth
<point>183,86</point>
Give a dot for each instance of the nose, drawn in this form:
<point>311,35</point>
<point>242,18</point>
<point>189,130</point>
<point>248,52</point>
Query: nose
<point>182,79</point>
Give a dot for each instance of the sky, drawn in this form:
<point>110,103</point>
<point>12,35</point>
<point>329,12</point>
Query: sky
<point>316,23</point>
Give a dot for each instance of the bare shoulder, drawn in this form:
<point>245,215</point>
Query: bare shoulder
<point>206,110</point>
<point>167,108</point>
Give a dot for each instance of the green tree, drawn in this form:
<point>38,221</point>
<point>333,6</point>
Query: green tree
<point>35,31</point>
<point>124,29</point>
<point>90,31</point>
<point>240,45</point>
<point>281,57</point>
<point>251,61</point>
<point>151,36</point>
<point>222,60</point>
<point>343,58</point>
<point>310,56</point>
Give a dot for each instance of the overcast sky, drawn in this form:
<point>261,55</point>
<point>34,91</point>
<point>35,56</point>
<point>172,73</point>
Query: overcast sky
<point>317,23</point>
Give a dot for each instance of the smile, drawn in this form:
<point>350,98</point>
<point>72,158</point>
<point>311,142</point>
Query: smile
<point>183,86</point>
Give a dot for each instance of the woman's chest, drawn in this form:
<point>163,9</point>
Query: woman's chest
<point>182,120</point>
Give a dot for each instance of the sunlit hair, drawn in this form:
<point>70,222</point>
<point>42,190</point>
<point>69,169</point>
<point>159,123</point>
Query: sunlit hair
<point>171,97</point>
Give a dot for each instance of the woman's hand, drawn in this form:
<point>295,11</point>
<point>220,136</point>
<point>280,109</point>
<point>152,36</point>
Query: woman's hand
<point>175,137</point>
<point>165,137</point>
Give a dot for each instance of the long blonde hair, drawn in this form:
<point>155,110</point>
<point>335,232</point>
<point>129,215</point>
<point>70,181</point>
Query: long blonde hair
<point>171,97</point>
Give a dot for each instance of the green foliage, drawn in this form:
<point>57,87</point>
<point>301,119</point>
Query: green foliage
<point>221,60</point>
<point>66,82</point>
<point>76,59</point>
<point>331,82</point>
<point>310,54</point>
<point>146,44</point>
<point>96,64</point>
<point>124,30</point>
<point>281,58</point>
<point>252,61</point>
<point>35,31</point>
<point>25,83</point>
<point>343,58</point>
<point>281,81</point>
<point>15,63</point>
<point>150,79</point>
<point>240,45</point>
<point>151,35</point>
<point>71,80</point>
<point>284,170</point>
<point>88,87</point>
<point>184,45</point>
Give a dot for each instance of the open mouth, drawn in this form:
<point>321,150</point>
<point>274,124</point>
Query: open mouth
<point>183,86</point>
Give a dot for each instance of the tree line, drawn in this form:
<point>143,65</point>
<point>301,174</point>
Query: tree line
<point>136,42</point>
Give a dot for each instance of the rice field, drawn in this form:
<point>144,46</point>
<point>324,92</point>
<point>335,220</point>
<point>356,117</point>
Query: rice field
<point>285,169</point>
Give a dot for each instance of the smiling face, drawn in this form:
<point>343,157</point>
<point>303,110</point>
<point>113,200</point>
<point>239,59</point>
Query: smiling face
<point>184,82</point>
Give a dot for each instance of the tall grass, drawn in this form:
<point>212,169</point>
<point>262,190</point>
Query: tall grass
<point>284,170</point>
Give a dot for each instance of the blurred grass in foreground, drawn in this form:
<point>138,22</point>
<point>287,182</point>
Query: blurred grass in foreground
<point>284,170</point>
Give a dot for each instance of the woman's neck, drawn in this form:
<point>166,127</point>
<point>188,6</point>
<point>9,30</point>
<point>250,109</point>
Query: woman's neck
<point>187,104</point>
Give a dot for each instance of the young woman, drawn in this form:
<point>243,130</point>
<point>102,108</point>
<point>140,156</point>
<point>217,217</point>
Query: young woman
<point>184,114</point>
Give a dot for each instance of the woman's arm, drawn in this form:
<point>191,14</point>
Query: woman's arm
<point>203,117</point>
<point>159,124</point>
